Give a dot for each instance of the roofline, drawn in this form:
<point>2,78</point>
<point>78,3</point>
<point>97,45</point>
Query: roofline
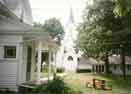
<point>9,11</point>
<point>12,14</point>
<point>24,33</point>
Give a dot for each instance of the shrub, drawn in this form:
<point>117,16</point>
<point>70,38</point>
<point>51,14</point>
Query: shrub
<point>83,70</point>
<point>57,86</point>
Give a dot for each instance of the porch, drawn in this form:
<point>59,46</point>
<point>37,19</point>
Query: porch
<point>41,59</point>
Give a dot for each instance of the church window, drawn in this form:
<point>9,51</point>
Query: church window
<point>70,58</point>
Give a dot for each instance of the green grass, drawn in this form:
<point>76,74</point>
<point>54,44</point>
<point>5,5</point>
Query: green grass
<point>78,83</point>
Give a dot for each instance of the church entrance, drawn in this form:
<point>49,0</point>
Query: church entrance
<point>70,65</point>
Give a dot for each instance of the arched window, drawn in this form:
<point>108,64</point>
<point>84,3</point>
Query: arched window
<point>70,58</point>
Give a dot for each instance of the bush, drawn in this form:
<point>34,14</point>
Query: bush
<point>56,86</point>
<point>83,70</point>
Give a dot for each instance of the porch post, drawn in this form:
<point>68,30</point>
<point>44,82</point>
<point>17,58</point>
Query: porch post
<point>54,65</point>
<point>33,59</point>
<point>39,60</point>
<point>49,66</point>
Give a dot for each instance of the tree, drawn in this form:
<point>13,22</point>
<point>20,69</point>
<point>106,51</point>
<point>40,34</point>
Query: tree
<point>123,12</point>
<point>122,7</point>
<point>96,30</point>
<point>38,25</point>
<point>55,28</point>
<point>103,32</point>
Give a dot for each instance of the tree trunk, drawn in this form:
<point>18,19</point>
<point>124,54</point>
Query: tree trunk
<point>107,63</point>
<point>123,62</point>
<point>55,68</point>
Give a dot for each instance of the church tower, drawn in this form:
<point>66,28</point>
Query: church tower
<point>70,56</point>
<point>67,56</point>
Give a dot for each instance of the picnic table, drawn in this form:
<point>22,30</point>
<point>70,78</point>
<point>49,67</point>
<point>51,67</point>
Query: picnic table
<point>99,84</point>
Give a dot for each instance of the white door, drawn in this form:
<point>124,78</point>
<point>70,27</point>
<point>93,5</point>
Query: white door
<point>70,64</point>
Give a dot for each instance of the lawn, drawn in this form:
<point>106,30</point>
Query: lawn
<point>78,83</point>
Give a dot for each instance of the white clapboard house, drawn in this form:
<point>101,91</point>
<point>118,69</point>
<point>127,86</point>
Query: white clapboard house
<point>115,66</point>
<point>22,47</point>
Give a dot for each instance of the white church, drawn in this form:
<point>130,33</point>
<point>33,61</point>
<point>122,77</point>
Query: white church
<point>67,56</point>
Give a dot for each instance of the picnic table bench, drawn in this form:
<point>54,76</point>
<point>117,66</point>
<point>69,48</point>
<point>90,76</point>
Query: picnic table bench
<point>99,84</point>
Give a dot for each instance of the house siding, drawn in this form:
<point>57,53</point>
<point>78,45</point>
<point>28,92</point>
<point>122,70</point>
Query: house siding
<point>9,66</point>
<point>8,74</point>
<point>118,70</point>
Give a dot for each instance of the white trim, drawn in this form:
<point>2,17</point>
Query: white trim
<point>39,61</point>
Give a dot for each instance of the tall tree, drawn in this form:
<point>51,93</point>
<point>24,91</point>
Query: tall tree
<point>123,12</point>
<point>104,32</point>
<point>96,30</point>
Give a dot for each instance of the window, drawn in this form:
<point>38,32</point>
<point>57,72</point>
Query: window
<point>128,67</point>
<point>78,59</point>
<point>70,58</point>
<point>115,67</point>
<point>10,51</point>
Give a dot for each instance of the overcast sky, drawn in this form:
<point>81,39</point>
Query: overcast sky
<point>45,9</point>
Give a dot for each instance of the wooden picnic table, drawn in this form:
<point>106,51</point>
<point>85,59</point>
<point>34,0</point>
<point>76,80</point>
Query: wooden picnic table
<point>98,83</point>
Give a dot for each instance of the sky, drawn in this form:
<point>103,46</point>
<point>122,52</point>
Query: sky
<point>45,9</point>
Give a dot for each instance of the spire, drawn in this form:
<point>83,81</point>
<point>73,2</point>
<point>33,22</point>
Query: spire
<point>71,16</point>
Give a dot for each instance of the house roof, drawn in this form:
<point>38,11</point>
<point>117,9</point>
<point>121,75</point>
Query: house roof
<point>10,22</point>
<point>117,59</point>
<point>21,8</point>
<point>89,60</point>
<point>14,26</point>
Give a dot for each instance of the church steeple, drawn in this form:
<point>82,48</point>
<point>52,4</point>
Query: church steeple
<point>71,15</point>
